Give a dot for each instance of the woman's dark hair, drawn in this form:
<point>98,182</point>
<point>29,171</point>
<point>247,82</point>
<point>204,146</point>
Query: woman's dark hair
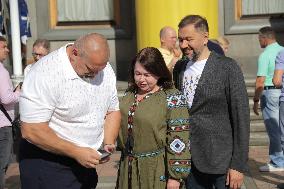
<point>152,60</point>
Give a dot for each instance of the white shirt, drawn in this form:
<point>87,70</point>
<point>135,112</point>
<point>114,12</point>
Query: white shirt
<point>75,109</point>
<point>27,69</point>
<point>191,77</point>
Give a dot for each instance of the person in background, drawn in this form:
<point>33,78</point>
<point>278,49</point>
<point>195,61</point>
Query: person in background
<point>41,48</point>
<point>224,43</point>
<point>278,81</point>
<point>268,95</point>
<point>8,99</point>
<point>69,108</point>
<point>212,46</point>
<point>154,134</point>
<point>170,52</point>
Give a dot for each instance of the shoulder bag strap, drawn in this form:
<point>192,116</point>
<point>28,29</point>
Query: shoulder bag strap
<point>5,113</point>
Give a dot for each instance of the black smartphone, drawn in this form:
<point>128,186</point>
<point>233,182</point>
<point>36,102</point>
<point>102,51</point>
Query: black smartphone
<point>104,154</point>
<point>20,85</point>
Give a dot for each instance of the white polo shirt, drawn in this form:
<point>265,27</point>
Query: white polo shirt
<point>75,109</point>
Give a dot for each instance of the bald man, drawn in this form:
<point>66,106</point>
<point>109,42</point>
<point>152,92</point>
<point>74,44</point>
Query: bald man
<point>168,49</point>
<point>69,109</point>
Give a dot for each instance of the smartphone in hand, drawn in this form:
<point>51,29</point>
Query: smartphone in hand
<point>104,154</point>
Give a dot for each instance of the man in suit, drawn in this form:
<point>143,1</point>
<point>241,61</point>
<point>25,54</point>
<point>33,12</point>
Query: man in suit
<point>219,111</point>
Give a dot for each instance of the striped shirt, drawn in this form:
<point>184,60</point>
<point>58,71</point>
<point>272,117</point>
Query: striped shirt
<point>8,98</point>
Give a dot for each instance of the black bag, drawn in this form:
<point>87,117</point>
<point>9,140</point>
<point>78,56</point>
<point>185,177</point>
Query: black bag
<point>16,124</point>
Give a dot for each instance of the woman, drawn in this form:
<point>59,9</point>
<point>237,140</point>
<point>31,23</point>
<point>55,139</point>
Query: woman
<point>154,135</point>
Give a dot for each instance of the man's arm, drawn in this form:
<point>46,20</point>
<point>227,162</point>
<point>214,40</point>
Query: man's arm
<point>7,96</point>
<point>239,116</point>
<point>111,129</point>
<point>277,78</point>
<point>41,135</point>
<point>259,85</point>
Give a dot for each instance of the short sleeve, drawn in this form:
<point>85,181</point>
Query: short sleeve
<point>114,102</point>
<point>279,62</point>
<point>38,98</point>
<point>262,67</point>
<point>178,144</point>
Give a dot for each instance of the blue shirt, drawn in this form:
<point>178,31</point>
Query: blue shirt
<point>279,65</point>
<point>266,62</point>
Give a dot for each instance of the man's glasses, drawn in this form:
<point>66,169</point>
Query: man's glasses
<point>37,54</point>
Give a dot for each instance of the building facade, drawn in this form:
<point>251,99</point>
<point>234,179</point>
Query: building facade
<point>132,25</point>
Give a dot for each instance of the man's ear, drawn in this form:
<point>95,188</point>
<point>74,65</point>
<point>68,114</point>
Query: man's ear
<point>75,52</point>
<point>206,34</point>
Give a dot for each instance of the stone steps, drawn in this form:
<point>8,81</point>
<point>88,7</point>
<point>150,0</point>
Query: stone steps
<point>258,139</point>
<point>257,126</point>
<point>258,135</point>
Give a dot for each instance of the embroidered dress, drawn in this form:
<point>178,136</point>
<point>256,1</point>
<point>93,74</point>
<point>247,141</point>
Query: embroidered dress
<point>154,139</point>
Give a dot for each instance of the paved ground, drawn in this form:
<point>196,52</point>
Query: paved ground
<point>107,173</point>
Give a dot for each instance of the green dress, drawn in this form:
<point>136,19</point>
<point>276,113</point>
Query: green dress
<point>160,130</point>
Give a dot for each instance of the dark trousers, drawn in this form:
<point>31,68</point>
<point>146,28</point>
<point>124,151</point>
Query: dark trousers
<point>199,180</point>
<point>40,169</point>
<point>6,142</point>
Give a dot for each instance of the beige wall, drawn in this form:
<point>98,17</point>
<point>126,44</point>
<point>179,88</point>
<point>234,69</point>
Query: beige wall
<point>122,49</point>
<point>244,45</point>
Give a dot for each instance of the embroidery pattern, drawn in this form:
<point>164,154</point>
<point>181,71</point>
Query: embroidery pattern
<point>180,128</point>
<point>176,162</point>
<point>176,101</point>
<point>181,169</point>
<point>148,154</point>
<point>173,122</point>
<point>163,178</point>
<point>189,86</point>
<point>188,145</point>
<point>177,145</point>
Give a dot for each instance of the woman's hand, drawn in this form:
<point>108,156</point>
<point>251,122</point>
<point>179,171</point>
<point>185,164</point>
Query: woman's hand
<point>110,148</point>
<point>173,184</point>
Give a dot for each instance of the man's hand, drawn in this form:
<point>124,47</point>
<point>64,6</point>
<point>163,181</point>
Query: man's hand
<point>259,85</point>
<point>87,157</point>
<point>234,179</point>
<point>173,184</point>
<point>255,107</point>
<point>177,52</point>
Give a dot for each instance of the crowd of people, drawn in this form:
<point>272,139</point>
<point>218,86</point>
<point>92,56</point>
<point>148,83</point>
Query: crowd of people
<point>183,122</point>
